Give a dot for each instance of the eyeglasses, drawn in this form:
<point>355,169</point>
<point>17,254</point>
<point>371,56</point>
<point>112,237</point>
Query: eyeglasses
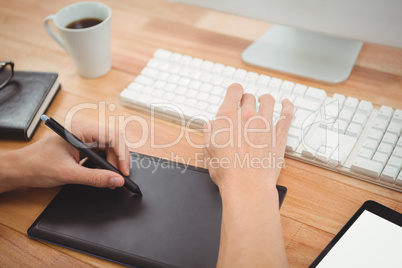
<point>6,72</point>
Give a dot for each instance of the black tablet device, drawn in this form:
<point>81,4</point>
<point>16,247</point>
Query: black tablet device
<point>371,238</point>
<point>176,223</point>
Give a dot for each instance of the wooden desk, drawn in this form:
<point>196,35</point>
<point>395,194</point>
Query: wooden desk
<point>318,203</point>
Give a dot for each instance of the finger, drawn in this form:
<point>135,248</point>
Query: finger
<point>121,152</point>
<point>208,126</point>
<point>267,103</point>
<point>282,127</point>
<point>109,140</point>
<point>95,177</point>
<point>232,100</point>
<point>248,105</point>
<point>207,131</point>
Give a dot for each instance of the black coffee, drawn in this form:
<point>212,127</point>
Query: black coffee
<point>83,23</point>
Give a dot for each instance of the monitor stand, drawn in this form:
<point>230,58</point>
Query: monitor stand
<point>303,53</point>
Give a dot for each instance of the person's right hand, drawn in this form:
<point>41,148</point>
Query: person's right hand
<point>244,141</point>
<point>245,152</point>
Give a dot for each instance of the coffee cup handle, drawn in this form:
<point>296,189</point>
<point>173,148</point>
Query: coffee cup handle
<point>51,32</point>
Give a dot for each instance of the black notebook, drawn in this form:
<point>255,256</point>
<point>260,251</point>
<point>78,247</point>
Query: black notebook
<point>23,100</point>
<point>176,223</point>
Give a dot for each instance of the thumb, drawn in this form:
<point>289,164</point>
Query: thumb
<point>207,133</point>
<point>96,177</point>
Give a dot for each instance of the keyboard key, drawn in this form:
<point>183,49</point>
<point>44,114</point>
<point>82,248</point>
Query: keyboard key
<point>154,63</point>
<point>287,87</point>
<point>346,114</point>
<point>395,128</point>
<point>202,96</point>
<point>169,96</point>
<point>324,154</point>
<point>385,148</point>
<point>340,126</point>
<point>162,54</point>
<point>359,118</point>
<point>228,72</point>
<point>215,100</point>
<point>275,84</point>
<point>365,107</point>
<point>162,76</point>
<point>136,87</point>
<point>398,180</point>
<point>345,147</point>
<point>240,75</point>
<point>251,78</point>
<point>366,153</point>
<point>380,158</point>
<point>191,102</point>
<point>295,133</point>
<point>316,94</point>
<point>367,167</point>
<point>303,119</point>
<point>196,63</point>
<point>321,141</point>
<point>354,130</point>
<point>351,103</point>
<point>191,93</point>
<point>218,68</point>
<point>207,65</point>
<point>263,81</point>
<point>376,135</point>
<point>381,124</point>
<point>143,80</point>
<point>175,57</point>
<point>397,152</point>
<point>370,144</point>
<point>299,90</point>
<point>385,113</point>
<point>202,105</point>
<point>306,104</point>
<point>186,60</point>
<point>128,95</point>
<point>340,99</point>
<point>397,116</point>
<point>292,143</point>
<point>150,72</point>
<point>389,174</point>
<point>395,162</point>
<point>390,139</point>
<point>165,86</point>
<point>337,159</point>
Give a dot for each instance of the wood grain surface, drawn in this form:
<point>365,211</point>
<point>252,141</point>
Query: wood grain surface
<point>319,202</point>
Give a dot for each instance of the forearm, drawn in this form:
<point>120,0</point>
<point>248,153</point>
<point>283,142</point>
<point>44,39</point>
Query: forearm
<point>251,233</point>
<point>11,176</point>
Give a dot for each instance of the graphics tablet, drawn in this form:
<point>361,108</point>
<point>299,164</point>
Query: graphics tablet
<point>176,223</point>
<point>371,238</point>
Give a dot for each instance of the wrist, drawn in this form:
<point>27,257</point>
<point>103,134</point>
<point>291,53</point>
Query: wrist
<point>241,188</point>
<point>10,175</point>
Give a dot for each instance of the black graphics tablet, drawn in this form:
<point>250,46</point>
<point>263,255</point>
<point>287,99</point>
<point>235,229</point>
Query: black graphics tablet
<point>176,223</point>
<point>371,238</point>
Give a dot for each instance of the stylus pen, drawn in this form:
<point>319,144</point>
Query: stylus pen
<point>83,148</point>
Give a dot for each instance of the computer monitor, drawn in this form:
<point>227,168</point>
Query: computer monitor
<point>315,39</point>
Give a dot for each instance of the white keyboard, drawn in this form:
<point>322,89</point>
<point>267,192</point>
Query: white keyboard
<point>339,133</point>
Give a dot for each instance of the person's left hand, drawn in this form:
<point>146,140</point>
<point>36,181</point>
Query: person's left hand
<point>52,161</point>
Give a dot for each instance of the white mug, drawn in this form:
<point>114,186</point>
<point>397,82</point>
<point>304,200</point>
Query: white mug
<point>89,47</point>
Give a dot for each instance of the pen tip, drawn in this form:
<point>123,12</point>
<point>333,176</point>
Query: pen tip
<point>44,118</point>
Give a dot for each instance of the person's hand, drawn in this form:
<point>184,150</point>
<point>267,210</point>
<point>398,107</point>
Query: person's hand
<point>241,144</point>
<point>244,153</point>
<point>52,161</point>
